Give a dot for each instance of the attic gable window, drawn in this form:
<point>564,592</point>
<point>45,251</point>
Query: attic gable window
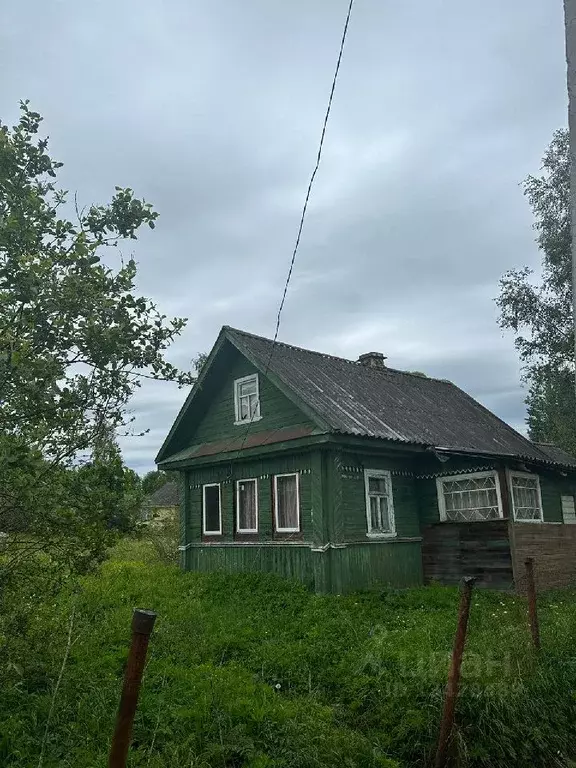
<point>469,498</point>
<point>246,399</point>
<point>379,503</point>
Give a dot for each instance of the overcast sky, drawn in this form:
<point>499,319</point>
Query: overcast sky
<point>212,110</point>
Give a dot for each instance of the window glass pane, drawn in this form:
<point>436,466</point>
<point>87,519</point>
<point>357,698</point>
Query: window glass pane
<point>526,498</point>
<point>377,485</point>
<point>374,513</point>
<point>247,505</point>
<point>471,498</point>
<point>253,405</point>
<point>247,401</point>
<point>248,387</point>
<point>212,508</point>
<point>379,505</point>
<point>382,525</point>
<point>244,408</point>
<point>287,501</point>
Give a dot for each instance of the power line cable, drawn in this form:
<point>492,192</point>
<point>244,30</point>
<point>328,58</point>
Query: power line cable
<point>304,210</point>
<point>314,172</point>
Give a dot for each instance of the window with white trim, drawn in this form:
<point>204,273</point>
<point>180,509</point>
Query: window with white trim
<point>247,506</point>
<point>246,399</point>
<point>211,510</point>
<point>526,499</point>
<point>379,503</point>
<point>568,509</point>
<point>469,498</point>
<point>287,503</point>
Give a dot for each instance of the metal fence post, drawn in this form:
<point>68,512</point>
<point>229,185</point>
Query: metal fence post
<point>454,674</point>
<point>532,609</point>
<point>142,625</point>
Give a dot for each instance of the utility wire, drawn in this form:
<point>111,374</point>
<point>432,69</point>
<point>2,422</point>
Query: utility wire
<point>314,172</point>
<point>304,208</point>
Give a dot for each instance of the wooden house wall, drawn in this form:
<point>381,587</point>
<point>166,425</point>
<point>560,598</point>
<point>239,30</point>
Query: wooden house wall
<point>294,561</point>
<point>429,470</point>
<point>276,409</point>
<point>376,564</point>
<point>552,486</point>
<point>453,550</point>
<point>263,469</point>
<point>333,554</point>
<point>553,549</point>
<point>354,522</point>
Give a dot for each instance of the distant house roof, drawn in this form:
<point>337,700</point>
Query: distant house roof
<point>346,397</point>
<point>558,455</point>
<point>166,496</point>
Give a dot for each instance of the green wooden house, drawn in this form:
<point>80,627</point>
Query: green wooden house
<point>350,474</point>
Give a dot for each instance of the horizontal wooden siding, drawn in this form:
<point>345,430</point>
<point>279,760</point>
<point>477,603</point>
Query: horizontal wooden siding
<point>264,470</point>
<point>453,550</point>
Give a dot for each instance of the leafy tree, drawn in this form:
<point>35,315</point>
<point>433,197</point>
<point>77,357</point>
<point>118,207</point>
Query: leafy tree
<point>199,361</point>
<point>540,312</point>
<point>153,480</point>
<point>75,341</point>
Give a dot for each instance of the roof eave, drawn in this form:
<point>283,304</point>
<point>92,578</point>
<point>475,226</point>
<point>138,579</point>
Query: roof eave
<point>511,456</point>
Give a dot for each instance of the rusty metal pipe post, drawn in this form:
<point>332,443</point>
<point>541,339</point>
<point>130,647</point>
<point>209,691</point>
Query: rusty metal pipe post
<point>142,626</point>
<point>532,609</point>
<point>453,684</point>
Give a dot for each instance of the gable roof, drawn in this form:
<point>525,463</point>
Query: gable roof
<point>166,496</point>
<point>355,399</point>
<point>345,397</point>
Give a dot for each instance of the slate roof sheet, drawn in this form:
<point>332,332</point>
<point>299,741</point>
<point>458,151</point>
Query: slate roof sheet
<point>385,403</point>
<point>557,455</point>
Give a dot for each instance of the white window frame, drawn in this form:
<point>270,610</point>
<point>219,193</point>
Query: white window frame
<point>257,416</point>
<point>510,473</point>
<point>379,473</point>
<point>277,528</point>
<point>204,531</point>
<point>246,480</point>
<point>466,476</point>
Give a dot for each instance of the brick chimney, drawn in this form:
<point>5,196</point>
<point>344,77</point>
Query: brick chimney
<point>372,360</point>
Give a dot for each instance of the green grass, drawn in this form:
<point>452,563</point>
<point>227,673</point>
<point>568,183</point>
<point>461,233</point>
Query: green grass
<point>251,670</point>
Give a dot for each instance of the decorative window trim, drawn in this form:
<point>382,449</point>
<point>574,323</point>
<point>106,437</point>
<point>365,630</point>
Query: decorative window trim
<point>276,526</point>
<point>238,422</point>
<point>204,531</point>
<point>380,473</point>
<point>466,476</point>
<point>246,480</point>
<point>511,473</point>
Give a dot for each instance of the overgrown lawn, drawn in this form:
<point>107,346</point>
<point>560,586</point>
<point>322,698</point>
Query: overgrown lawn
<point>252,670</point>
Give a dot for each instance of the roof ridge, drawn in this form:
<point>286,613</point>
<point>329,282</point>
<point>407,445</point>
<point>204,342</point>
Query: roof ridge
<point>386,369</point>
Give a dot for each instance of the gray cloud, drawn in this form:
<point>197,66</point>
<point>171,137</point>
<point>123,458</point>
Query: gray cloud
<point>212,111</point>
